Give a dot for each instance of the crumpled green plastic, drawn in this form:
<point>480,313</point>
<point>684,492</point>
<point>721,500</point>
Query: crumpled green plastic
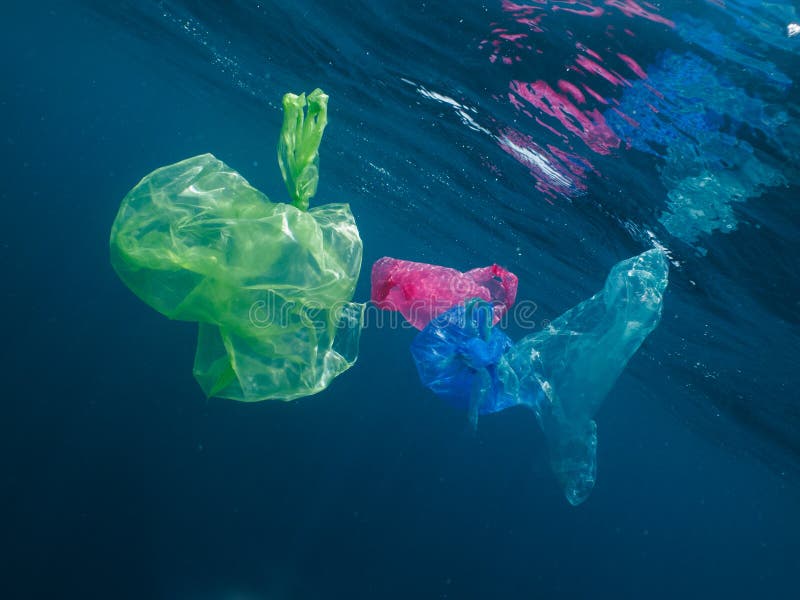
<point>270,284</point>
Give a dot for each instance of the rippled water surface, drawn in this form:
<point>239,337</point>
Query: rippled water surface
<point>554,137</point>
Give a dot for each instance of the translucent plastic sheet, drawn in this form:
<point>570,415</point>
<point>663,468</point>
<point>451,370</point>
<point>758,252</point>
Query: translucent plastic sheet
<point>577,359</point>
<point>269,283</point>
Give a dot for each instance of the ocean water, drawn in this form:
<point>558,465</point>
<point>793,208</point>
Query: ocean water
<point>553,137</point>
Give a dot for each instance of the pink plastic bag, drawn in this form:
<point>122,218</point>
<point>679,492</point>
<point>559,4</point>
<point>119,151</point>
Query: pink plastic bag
<point>421,292</point>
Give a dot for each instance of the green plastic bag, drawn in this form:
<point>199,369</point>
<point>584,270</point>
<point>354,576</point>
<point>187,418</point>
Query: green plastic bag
<point>270,284</point>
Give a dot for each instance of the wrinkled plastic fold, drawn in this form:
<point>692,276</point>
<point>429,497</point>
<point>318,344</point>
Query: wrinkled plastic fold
<point>298,144</point>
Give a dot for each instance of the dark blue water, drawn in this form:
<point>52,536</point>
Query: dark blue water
<point>120,480</point>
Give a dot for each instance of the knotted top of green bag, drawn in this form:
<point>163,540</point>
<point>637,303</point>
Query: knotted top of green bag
<point>270,283</point>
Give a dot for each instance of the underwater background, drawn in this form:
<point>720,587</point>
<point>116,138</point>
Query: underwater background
<point>555,138</point>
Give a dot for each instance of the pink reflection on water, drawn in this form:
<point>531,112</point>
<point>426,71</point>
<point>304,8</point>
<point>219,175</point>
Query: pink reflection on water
<point>588,51</point>
<point>586,10</point>
<point>567,106</point>
<point>594,94</point>
<point>632,65</point>
<point>557,173</point>
<point>568,88</point>
<point>589,125</point>
<point>629,8</point>
<point>593,67</point>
